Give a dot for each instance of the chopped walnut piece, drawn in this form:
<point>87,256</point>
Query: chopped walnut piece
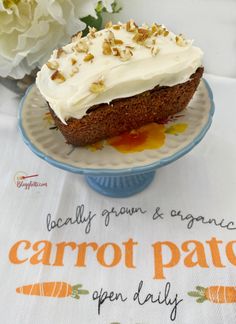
<point>88,57</point>
<point>116,27</point>
<point>116,51</point>
<point>130,47</point>
<point>97,87</point>
<point>82,46</point>
<point>106,48</point>
<point>154,28</point>
<point>158,30</point>
<point>76,37</point>
<point>180,41</point>
<point>155,50</point>
<point>166,33</point>
<point>73,61</point>
<point>145,32</point>
<point>108,25</point>
<point>131,26</point>
<point>118,41</point>
<point>92,31</point>
<point>60,52</point>
<point>52,65</point>
<point>58,77</point>
<point>126,55</point>
<point>141,36</point>
<point>110,36</point>
<point>75,69</point>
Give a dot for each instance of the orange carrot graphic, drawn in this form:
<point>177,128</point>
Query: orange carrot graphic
<point>215,294</point>
<point>56,289</point>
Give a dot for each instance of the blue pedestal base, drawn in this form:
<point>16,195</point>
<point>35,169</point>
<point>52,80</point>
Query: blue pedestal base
<point>120,186</point>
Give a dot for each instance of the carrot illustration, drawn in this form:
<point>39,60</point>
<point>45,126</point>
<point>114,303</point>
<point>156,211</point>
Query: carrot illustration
<point>215,294</point>
<point>56,289</point>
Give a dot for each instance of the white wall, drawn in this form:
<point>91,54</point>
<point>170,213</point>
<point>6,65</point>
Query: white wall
<point>211,23</point>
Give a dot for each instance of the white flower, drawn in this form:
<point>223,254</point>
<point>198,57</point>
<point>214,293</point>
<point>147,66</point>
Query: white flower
<point>107,4</point>
<point>31,29</point>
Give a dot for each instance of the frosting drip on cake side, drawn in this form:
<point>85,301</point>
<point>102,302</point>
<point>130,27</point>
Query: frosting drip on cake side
<point>120,61</point>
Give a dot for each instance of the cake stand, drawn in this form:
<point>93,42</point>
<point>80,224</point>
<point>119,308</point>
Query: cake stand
<point>107,170</point>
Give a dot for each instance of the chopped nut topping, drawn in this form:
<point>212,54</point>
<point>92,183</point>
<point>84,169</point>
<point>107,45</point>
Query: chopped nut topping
<point>141,36</point>
<point>92,31</point>
<point>60,52</point>
<point>155,50</point>
<point>52,65</point>
<point>131,26</point>
<point>111,36</point>
<point>75,69</point>
<point>88,57</point>
<point>166,33</point>
<point>106,48</point>
<point>118,42</point>
<point>108,25</point>
<point>143,30</point>
<point>180,41</point>
<point>82,46</point>
<point>58,77</point>
<point>97,87</point>
<point>158,30</point>
<point>154,28</point>
<point>130,47</point>
<point>76,37</point>
<point>116,27</point>
<point>73,61</point>
<point>116,51</point>
<point>126,55</point>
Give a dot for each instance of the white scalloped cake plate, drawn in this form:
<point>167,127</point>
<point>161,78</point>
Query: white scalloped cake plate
<point>50,145</point>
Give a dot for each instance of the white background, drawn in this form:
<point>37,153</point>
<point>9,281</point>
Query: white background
<point>211,23</point>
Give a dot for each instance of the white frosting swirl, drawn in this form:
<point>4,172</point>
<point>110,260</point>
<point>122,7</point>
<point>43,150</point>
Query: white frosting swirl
<point>173,64</point>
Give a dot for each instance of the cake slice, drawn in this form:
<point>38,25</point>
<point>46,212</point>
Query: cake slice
<point>119,79</point>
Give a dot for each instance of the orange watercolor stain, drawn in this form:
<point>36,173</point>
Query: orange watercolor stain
<point>147,137</point>
<point>151,136</point>
<point>96,146</point>
<point>176,129</point>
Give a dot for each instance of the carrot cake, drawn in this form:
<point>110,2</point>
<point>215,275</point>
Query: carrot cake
<point>119,79</point>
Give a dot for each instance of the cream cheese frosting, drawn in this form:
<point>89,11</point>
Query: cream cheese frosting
<point>120,61</point>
